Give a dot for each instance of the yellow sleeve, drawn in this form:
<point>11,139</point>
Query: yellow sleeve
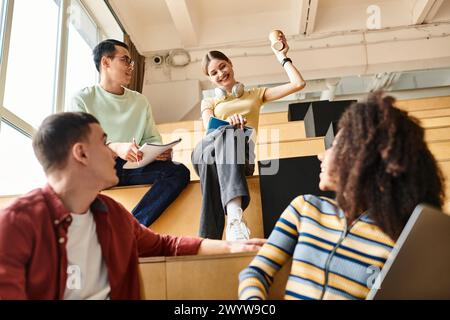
<point>207,103</point>
<point>259,94</point>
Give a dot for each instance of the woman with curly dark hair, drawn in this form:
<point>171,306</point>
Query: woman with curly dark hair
<point>381,168</point>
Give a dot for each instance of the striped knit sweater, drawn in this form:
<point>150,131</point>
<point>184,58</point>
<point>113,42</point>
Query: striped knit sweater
<point>313,232</point>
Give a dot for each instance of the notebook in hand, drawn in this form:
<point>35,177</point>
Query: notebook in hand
<point>215,123</point>
<point>150,151</point>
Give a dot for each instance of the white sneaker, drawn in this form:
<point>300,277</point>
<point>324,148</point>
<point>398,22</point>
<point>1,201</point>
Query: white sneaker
<point>237,230</point>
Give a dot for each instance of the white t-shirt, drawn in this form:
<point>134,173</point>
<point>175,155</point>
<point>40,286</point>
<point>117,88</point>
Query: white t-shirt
<point>87,275</point>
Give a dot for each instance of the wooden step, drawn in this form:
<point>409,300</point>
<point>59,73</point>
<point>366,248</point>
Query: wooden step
<point>289,149</point>
<point>265,151</point>
<point>293,130</point>
<point>268,118</point>
<point>424,103</point>
<point>194,125</point>
<point>182,217</point>
<point>416,107</point>
<point>424,114</point>
<point>437,134</point>
<point>445,167</point>
<point>440,150</point>
<point>428,123</point>
<point>201,277</point>
<point>270,133</point>
<point>189,139</point>
<point>419,108</point>
<point>285,133</point>
<point>274,132</point>
<point>307,147</point>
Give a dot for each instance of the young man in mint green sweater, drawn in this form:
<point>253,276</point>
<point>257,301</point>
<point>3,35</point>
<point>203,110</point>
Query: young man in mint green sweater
<point>127,119</point>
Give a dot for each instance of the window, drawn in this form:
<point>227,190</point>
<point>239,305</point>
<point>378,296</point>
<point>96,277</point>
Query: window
<point>30,75</point>
<point>81,70</point>
<point>33,39</point>
<point>20,171</point>
<point>2,12</point>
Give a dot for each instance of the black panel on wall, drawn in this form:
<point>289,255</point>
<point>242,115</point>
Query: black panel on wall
<point>297,111</point>
<point>295,176</point>
<point>321,113</point>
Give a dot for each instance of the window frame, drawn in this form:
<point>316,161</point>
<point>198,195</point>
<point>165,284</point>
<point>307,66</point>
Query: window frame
<point>6,115</point>
<point>60,65</point>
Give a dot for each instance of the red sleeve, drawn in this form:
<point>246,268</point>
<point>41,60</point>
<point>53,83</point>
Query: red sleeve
<point>15,250</point>
<point>152,244</point>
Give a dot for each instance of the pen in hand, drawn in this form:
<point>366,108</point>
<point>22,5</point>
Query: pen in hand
<point>137,154</point>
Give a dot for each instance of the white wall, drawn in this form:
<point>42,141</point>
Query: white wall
<point>172,100</point>
<point>318,57</point>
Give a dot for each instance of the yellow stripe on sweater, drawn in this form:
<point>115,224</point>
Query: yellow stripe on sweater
<point>372,232</point>
<point>353,288</point>
<point>308,210</point>
<point>304,270</point>
<point>306,290</point>
<point>275,254</point>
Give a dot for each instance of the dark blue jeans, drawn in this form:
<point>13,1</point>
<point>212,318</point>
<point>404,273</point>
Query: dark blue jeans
<point>168,179</point>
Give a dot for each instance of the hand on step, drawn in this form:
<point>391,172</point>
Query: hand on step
<point>246,245</point>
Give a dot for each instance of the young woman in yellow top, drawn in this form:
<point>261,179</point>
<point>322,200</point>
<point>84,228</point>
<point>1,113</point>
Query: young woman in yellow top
<point>224,186</point>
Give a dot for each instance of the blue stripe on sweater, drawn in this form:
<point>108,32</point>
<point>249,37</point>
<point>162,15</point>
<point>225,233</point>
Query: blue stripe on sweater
<point>331,272</point>
<point>289,224</point>
<point>253,271</point>
<point>283,249</point>
<point>311,236</point>
<point>290,235</point>
<point>314,255</point>
<point>319,286</point>
<point>322,205</point>
<point>270,262</point>
<point>287,243</point>
<point>368,241</point>
<point>250,288</point>
<point>298,296</point>
<point>319,225</point>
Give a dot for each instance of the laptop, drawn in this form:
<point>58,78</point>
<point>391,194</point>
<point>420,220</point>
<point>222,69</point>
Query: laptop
<point>419,265</point>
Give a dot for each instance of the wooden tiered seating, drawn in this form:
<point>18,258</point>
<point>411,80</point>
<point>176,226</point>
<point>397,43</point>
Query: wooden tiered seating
<point>433,113</point>
<point>209,277</point>
<point>182,217</point>
<point>423,114</point>
<point>265,151</point>
<point>273,118</point>
<point>437,134</point>
<point>438,138</point>
<point>424,104</point>
<point>268,133</point>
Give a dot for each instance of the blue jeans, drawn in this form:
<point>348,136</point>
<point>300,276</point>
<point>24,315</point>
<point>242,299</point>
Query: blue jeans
<point>168,179</point>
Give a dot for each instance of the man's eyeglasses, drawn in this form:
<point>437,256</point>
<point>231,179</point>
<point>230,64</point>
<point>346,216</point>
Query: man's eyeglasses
<point>125,59</point>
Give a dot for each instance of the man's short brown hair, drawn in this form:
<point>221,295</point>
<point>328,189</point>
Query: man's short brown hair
<point>56,136</point>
